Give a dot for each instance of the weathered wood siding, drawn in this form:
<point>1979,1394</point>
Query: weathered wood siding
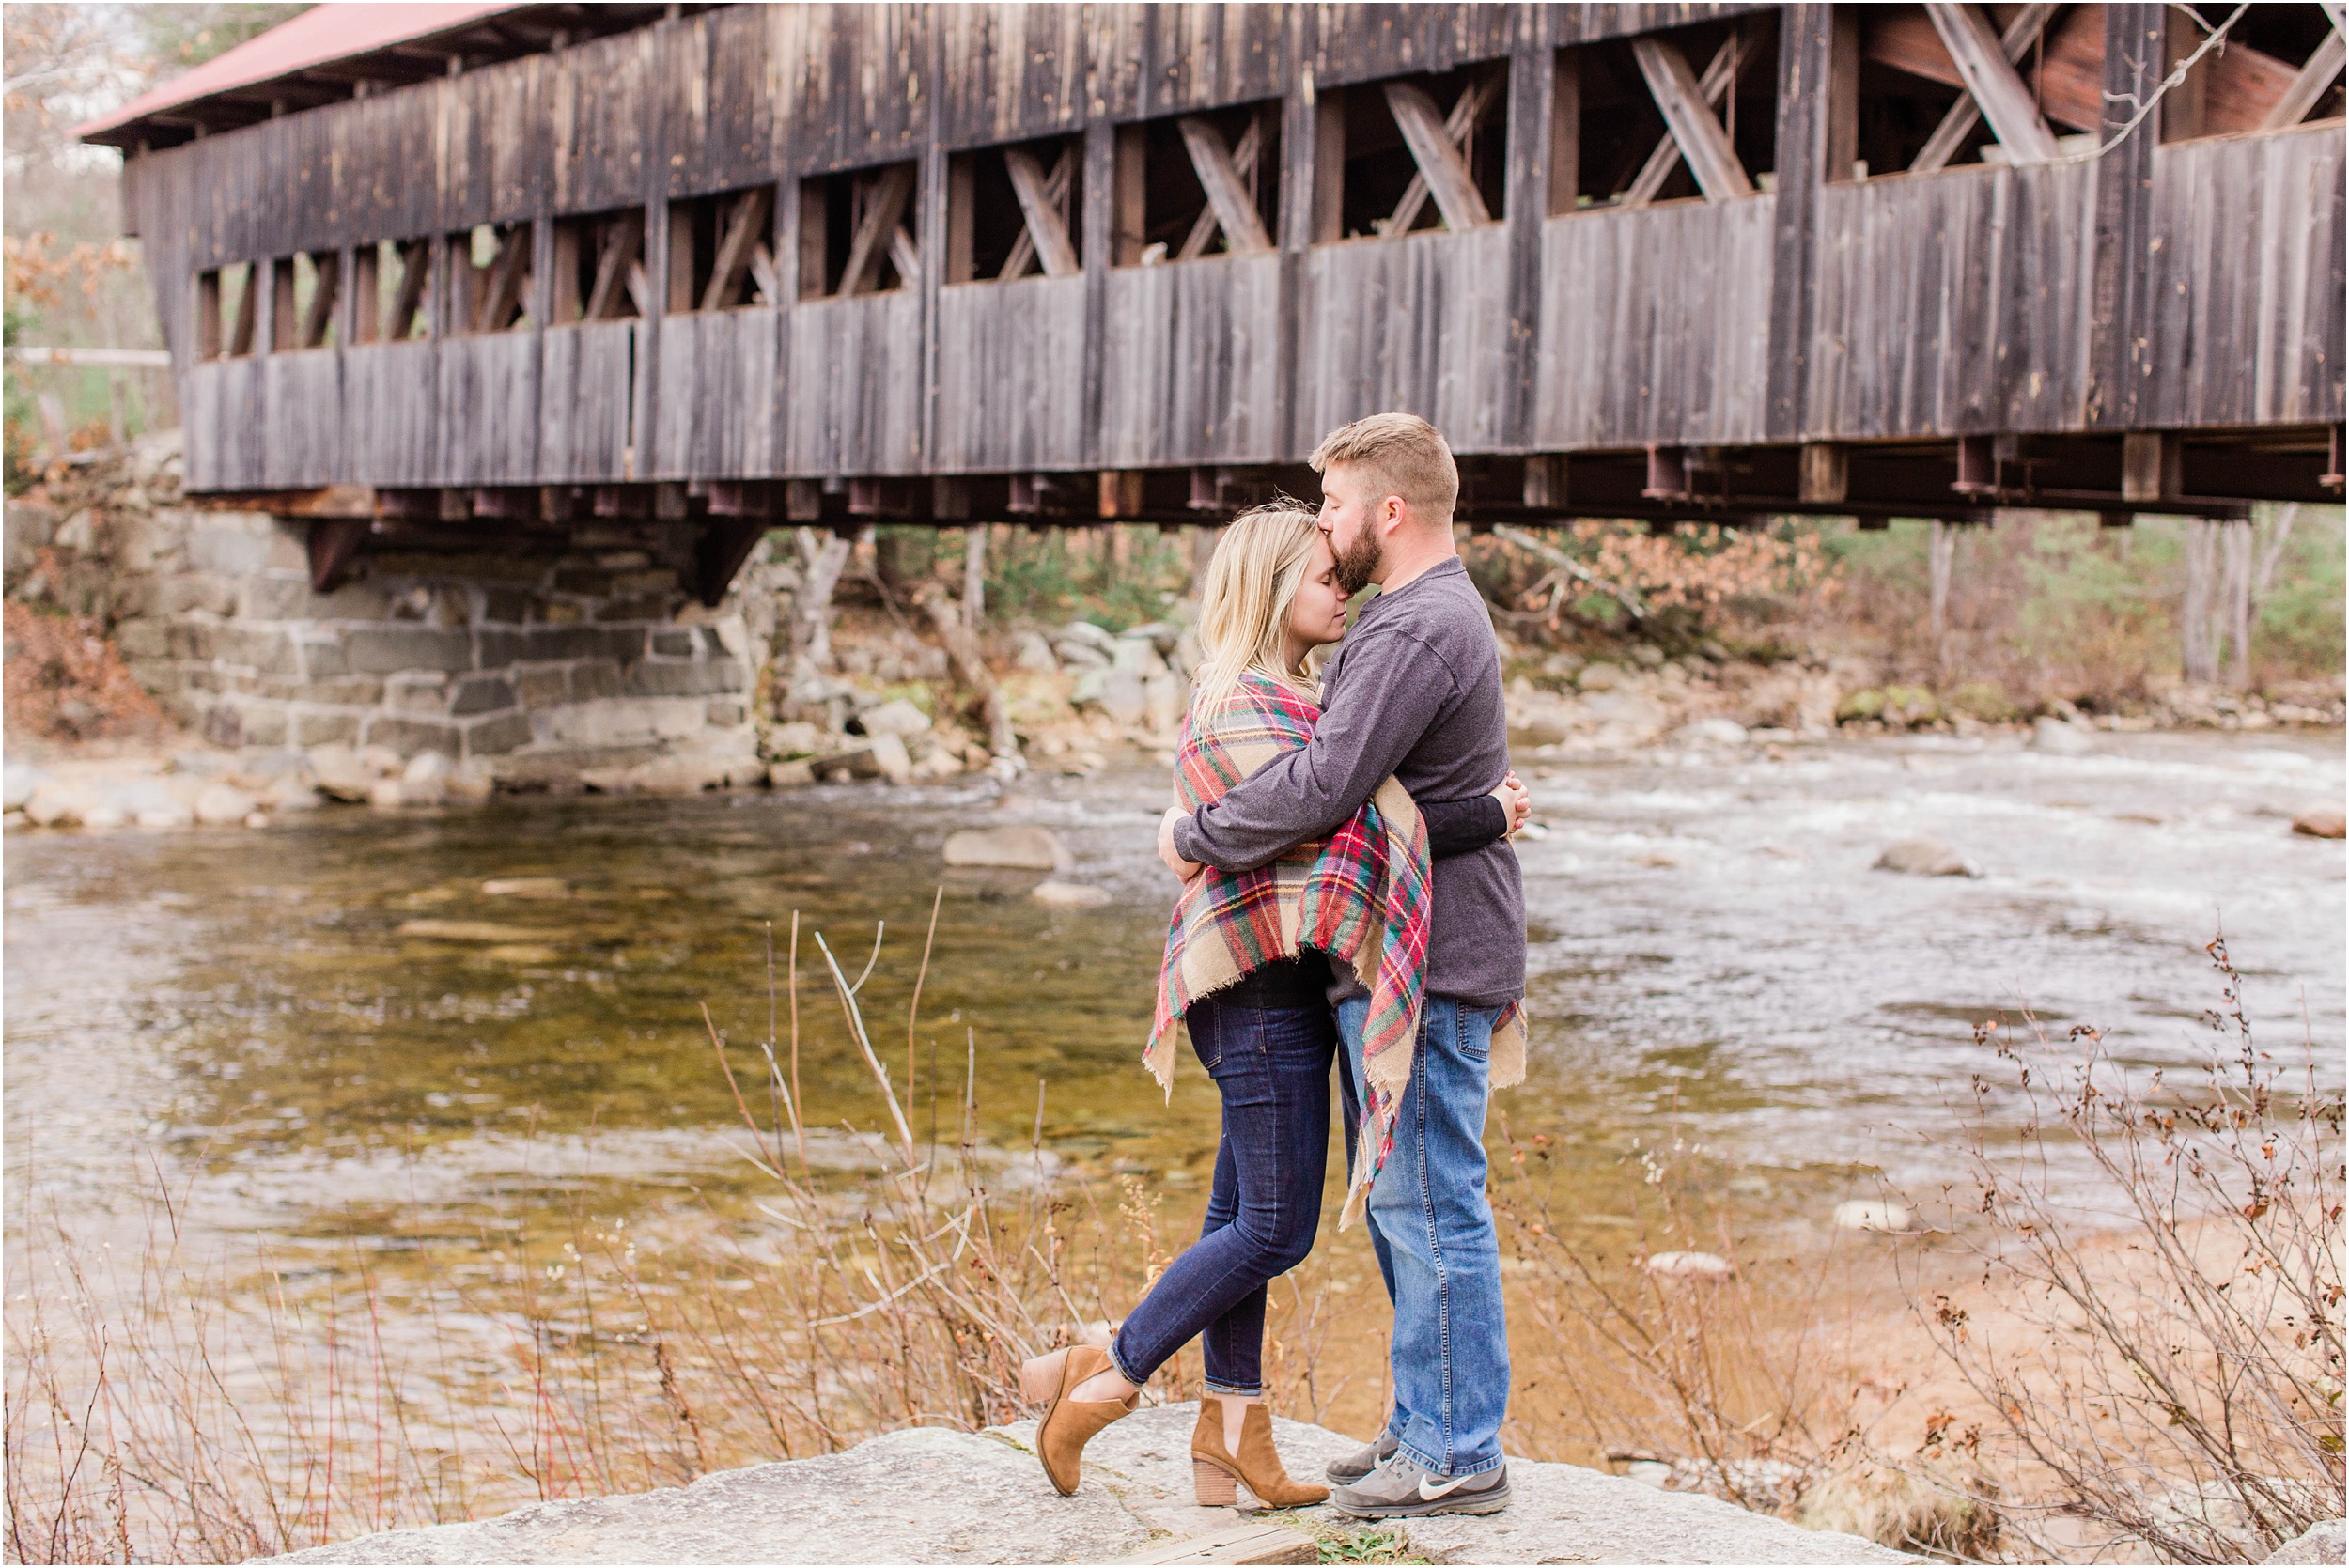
<point>1418,323</point>
<point>587,390</point>
<point>717,394</point>
<point>1929,305</point>
<point>856,381</point>
<point>1011,383</point>
<point>302,399</point>
<point>390,400</point>
<point>1954,302</point>
<point>2248,307</point>
<point>1191,364</point>
<point>1656,325</point>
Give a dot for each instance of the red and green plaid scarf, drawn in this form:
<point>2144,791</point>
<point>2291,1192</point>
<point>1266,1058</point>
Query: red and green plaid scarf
<point>1363,896</point>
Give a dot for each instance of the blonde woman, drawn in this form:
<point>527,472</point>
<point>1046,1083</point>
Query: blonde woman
<point>1252,961</point>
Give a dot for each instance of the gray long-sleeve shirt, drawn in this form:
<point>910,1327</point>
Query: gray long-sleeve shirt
<point>1414,691</point>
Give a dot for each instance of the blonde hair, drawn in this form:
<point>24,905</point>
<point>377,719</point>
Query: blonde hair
<point>1252,580</point>
<point>1403,455</point>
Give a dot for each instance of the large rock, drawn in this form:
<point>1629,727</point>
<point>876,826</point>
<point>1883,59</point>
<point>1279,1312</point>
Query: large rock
<point>1008,849</point>
<point>1124,697</point>
<point>2321,822</point>
<point>222,805</point>
<point>895,717</point>
<point>341,773</point>
<point>18,780</point>
<point>1925,857</point>
<point>2323,1542</point>
<point>933,1496</point>
<point>2058,738</point>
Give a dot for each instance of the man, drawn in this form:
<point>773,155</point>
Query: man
<point>1414,691</point>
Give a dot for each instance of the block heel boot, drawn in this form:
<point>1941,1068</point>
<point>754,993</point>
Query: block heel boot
<point>1068,1423</point>
<point>1257,1465</point>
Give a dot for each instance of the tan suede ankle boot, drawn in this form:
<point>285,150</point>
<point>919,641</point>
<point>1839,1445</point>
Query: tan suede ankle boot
<point>1213,1469</point>
<point>1068,1423</point>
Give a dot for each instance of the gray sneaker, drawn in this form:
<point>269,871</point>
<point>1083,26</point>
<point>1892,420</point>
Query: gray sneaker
<point>1399,1488</point>
<point>1347,1471</point>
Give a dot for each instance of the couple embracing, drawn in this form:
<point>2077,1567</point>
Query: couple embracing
<point>1348,896</point>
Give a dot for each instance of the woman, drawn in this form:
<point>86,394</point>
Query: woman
<point>1249,968</point>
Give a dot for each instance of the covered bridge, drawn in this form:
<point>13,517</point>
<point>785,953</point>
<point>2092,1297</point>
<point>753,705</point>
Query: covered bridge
<point>443,275</point>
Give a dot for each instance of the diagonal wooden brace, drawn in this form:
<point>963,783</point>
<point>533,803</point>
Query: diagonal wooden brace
<point>746,224</point>
<point>1447,175</point>
<point>1958,123</point>
<point>1457,125</point>
<point>1716,83</point>
<point>622,238</point>
<point>2310,83</point>
<point>504,295</point>
<point>1040,198</point>
<point>1228,198</point>
<point>1688,116</point>
<point>1999,91</point>
<point>1205,227</point>
<point>884,203</point>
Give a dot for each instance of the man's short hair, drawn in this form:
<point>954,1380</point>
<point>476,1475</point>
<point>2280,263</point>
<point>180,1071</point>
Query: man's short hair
<point>1402,454</point>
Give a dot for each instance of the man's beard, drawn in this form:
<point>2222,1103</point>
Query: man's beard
<point>1358,563</point>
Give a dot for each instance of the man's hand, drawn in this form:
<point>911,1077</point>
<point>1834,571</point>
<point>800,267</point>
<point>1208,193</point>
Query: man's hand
<point>1167,852</point>
<point>1514,800</point>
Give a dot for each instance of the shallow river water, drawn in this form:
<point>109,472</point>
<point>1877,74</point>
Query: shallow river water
<point>311,1026</point>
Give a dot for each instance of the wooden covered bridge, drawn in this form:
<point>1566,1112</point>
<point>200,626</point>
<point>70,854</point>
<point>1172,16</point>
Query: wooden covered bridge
<point>462,273</point>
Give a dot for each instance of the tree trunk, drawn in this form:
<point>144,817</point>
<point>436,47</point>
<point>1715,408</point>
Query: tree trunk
<point>974,574</point>
<point>822,558</point>
<point>2201,658</point>
<point>1940,547</point>
<point>2238,544</point>
<point>961,643</point>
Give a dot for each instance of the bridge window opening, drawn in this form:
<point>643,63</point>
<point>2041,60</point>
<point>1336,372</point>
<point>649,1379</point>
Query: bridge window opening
<point>722,254</point>
<point>391,282</point>
<point>2037,87</point>
<point>316,296</point>
<point>598,268</point>
<point>489,274</point>
<point>1418,152</point>
<point>1675,117</point>
<point>1197,185</point>
<point>859,233</point>
<point>224,314</point>
<point>1012,210</point>
<point>2279,67</point>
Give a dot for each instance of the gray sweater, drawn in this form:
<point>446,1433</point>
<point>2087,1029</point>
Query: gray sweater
<point>1414,691</point>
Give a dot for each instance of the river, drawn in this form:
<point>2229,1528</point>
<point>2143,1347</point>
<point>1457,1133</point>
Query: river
<point>278,1014</point>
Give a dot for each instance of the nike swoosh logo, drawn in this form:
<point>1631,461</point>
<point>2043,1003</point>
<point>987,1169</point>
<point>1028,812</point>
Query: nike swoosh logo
<point>1429,1494</point>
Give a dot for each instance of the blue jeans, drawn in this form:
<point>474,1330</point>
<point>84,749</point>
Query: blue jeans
<point>1271,1065</point>
<point>1432,1227</point>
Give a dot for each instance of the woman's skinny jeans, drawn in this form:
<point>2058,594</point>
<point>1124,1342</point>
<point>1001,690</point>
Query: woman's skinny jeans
<point>1272,1068</point>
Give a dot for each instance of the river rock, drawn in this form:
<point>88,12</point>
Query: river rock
<point>1163,701</point>
<point>1070,895</point>
<point>386,795</point>
<point>2320,822</point>
<point>527,886</point>
<point>928,1495</point>
<point>340,773</point>
<point>1925,857</point>
<point>294,792</point>
<point>1711,732</point>
<point>2326,1541</point>
<point>471,780</point>
<point>425,781</point>
<point>104,814</point>
<point>1867,1214</point>
<point>1689,1265</point>
<point>18,780</point>
<point>1085,634</point>
<point>55,803</point>
<point>2058,738</point>
<point>895,717</point>
<point>891,758</point>
<point>1031,651</point>
<point>222,804</point>
<point>1008,849</point>
<point>382,761</point>
<point>1124,697</point>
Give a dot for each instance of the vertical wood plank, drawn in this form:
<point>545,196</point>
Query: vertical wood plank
<point>1531,155</point>
<point>2135,43</point>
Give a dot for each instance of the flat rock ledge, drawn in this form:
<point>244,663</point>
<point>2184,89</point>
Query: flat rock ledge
<point>935,1496</point>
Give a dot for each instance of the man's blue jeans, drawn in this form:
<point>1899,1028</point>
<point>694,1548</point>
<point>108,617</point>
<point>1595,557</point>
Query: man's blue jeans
<point>1432,1228</point>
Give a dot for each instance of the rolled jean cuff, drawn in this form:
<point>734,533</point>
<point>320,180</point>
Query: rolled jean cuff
<point>1432,1467</point>
<point>1124,1371</point>
<point>1230,1392</point>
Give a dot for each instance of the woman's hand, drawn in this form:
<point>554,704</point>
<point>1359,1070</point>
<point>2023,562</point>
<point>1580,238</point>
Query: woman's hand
<point>1167,852</point>
<point>1514,800</point>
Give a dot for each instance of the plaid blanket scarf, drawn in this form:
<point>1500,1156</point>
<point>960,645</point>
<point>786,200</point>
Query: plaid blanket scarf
<point>1363,896</point>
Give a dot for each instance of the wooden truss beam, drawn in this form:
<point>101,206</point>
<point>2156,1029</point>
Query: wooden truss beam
<point>2312,82</point>
<point>327,272</point>
<point>905,255</point>
<point>1205,227</point>
<point>334,544</point>
<point>1229,193</point>
<point>746,222</point>
<point>2004,98</point>
<point>1439,161</point>
<point>885,201</point>
<point>1041,198</point>
<point>622,239</point>
<point>1458,124</point>
<point>1689,115</point>
<point>416,272</point>
<point>1719,75</point>
<point>1958,124</point>
<point>241,331</point>
<point>508,276</point>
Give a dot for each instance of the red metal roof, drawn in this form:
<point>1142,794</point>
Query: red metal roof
<point>317,36</point>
